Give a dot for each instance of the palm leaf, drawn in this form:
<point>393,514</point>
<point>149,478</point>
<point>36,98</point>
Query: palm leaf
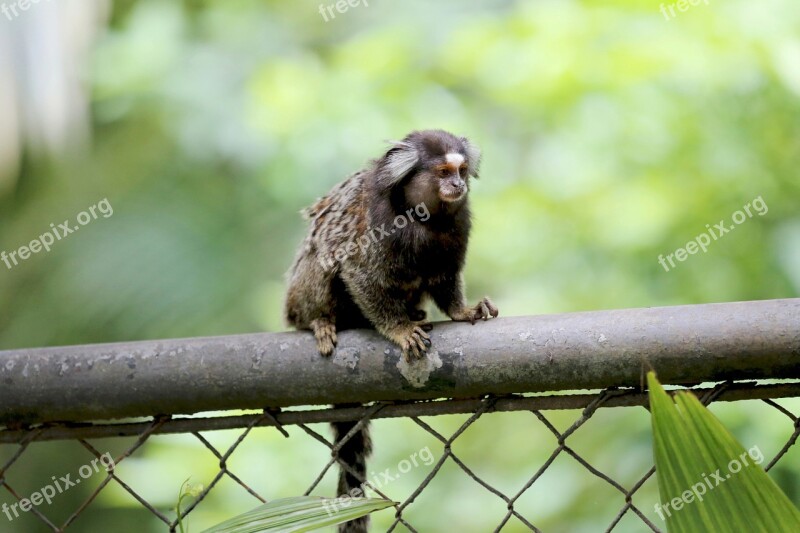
<point>303,513</point>
<point>706,479</point>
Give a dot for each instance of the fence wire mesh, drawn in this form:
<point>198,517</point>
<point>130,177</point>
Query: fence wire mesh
<point>20,441</point>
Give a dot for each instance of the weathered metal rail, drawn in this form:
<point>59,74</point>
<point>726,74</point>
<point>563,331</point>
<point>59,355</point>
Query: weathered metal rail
<point>588,350</point>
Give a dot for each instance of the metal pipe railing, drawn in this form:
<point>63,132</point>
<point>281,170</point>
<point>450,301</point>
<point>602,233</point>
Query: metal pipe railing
<point>588,350</point>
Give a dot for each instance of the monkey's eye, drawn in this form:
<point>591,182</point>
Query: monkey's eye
<point>442,172</point>
<point>463,169</point>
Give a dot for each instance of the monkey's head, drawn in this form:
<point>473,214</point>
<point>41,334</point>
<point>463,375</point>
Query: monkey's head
<point>432,167</point>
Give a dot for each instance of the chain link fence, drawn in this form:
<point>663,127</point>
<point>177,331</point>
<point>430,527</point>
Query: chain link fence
<point>19,443</point>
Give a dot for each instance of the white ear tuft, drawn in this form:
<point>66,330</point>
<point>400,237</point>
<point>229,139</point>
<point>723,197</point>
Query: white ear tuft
<point>473,157</point>
<point>399,161</point>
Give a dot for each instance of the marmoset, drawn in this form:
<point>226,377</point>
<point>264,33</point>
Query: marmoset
<point>379,245</point>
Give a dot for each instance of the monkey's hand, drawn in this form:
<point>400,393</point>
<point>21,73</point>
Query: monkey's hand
<point>412,339</point>
<point>325,333</point>
<point>484,310</point>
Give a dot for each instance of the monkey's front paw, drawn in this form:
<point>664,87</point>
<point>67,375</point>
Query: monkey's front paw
<point>484,310</point>
<point>325,333</point>
<point>413,341</point>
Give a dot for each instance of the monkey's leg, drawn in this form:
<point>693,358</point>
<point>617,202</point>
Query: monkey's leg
<point>311,302</point>
<point>387,310</point>
<point>449,296</point>
<point>325,332</point>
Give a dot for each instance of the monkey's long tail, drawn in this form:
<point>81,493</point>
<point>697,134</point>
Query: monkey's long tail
<point>354,453</point>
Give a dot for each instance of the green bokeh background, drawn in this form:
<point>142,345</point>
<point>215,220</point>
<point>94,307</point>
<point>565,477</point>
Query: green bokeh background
<point>611,135</point>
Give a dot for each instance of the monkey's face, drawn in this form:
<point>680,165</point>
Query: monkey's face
<point>434,166</point>
<point>451,177</point>
<point>439,180</point>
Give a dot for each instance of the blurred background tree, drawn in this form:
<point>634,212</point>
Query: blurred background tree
<point>611,134</point>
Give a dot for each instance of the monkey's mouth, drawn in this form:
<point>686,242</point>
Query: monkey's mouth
<point>451,195</point>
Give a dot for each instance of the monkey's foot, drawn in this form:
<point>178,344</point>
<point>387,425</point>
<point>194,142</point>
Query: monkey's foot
<point>482,311</point>
<point>325,333</point>
<point>412,340</point>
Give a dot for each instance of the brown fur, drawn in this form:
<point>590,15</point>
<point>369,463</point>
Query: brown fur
<point>384,279</point>
<point>385,282</point>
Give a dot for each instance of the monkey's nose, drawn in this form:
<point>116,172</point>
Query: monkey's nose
<point>452,193</point>
<point>458,185</point>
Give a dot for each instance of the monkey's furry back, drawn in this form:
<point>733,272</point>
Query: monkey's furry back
<point>335,219</point>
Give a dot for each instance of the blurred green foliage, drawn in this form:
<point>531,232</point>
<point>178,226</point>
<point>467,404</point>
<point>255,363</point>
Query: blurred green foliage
<point>610,136</point>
